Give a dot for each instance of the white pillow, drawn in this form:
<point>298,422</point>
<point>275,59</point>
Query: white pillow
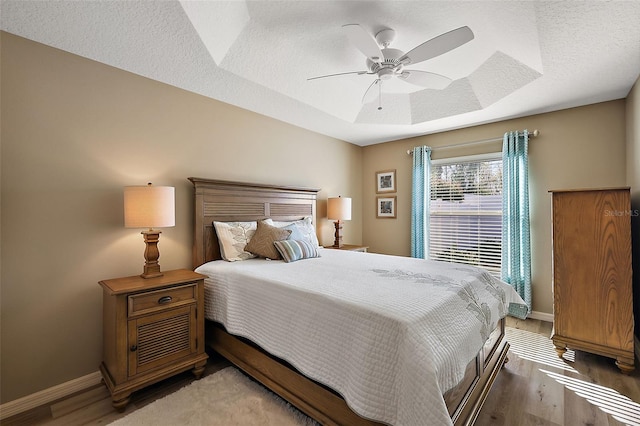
<point>233,237</point>
<point>305,227</point>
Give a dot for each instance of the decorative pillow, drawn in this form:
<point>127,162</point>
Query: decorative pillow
<point>296,232</point>
<point>305,227</point>
<point>292,250</point>
<point>233,237</point>
<point>261,242</point>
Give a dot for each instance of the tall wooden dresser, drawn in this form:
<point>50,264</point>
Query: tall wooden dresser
<point>592,293</point>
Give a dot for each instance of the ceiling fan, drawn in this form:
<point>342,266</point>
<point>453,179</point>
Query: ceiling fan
<point>387,63</point>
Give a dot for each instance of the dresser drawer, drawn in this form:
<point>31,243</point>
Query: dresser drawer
<point>152,301</point>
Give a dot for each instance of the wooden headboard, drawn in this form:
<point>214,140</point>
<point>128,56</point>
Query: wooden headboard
<point>227,201</point>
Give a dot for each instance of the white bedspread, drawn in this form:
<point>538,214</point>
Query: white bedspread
<point>390,334</point>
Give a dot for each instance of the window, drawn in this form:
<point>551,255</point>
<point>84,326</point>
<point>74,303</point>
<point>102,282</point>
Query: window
<point>466,211</point>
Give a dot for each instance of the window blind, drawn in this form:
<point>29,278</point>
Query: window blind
<point>466,212</point>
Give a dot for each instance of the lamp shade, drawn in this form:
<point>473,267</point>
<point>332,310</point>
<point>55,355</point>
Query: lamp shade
<point>149,206</point>
<point>339,208</point>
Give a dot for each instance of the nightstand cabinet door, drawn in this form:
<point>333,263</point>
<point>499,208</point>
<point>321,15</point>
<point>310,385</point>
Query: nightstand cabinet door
<point>161,338</point>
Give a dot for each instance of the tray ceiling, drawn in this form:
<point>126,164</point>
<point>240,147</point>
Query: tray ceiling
<point>526,57</point>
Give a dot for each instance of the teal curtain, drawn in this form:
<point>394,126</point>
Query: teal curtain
<point>516,246</point>
<point>420,198</point>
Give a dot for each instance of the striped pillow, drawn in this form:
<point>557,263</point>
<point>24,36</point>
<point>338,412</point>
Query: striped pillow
<point>292,250</point>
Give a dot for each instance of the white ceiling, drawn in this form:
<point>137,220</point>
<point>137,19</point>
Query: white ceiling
<point>527,57</point>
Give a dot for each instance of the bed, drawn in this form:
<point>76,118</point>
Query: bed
<point>323,395</point>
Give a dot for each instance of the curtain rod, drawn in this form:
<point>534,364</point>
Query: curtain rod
<point>534,134</point>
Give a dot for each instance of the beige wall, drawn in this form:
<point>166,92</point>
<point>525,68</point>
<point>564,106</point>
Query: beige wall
<point>74,133</point>
<point>633,180</point>
<point>577,148</point>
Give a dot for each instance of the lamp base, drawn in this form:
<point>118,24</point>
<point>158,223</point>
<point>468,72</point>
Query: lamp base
<point>151,273</point>
<point>151,254</point>
<point>338,237</point>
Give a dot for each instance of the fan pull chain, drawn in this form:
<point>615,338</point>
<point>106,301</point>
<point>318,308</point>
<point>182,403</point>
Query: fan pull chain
<point>380,95</point>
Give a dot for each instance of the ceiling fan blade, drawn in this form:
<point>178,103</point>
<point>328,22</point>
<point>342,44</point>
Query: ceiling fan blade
<point>425,79</point>
<point>438,45</point>
<point>363,41</point>
<point>372,92</point>
<point>340,73</point>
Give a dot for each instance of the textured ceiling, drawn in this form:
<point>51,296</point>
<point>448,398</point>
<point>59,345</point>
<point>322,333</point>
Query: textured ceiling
<point>526,57</point>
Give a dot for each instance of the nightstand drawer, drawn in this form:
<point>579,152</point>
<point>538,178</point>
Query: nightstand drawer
<point>144,303</point>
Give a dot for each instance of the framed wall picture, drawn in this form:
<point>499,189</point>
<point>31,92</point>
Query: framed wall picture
<point>386,207</point>
<point>386,181</point>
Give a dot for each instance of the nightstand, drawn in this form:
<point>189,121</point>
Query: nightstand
<point>350,247</point>
<point>152,328</point>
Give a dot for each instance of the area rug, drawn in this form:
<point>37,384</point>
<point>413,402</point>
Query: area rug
<point>226,398</point>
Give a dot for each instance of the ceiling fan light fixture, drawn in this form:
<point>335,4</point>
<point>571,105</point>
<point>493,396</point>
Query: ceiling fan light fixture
<point>385,74</point>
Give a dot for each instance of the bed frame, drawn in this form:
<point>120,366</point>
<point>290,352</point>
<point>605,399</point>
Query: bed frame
<point>235,201</point>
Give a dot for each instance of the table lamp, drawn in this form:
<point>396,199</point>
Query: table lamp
<point>338,209</point>
<point>149,207</point>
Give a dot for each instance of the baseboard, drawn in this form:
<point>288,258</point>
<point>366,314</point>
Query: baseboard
<point>542,316</point>
<point>46,396</point>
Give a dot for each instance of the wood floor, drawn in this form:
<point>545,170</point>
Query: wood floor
<point>534,388</point>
